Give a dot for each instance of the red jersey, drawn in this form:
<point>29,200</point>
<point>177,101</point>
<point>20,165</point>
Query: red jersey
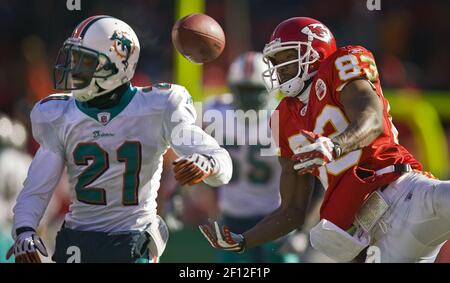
<point>350,179</point>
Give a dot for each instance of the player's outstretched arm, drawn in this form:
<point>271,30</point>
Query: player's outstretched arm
<point>43,176</point>
<point>364,109</point>
<point>295,193</point>
<point>201,157</point>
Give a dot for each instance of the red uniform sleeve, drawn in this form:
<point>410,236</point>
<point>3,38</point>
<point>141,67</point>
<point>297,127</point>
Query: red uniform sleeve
<point>277,120</point>
<point>350,63</point>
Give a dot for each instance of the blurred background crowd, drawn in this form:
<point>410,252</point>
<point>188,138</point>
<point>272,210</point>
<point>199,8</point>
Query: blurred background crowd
<point>410,41</point>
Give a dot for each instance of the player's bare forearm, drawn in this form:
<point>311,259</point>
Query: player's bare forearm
<point>295,195</point>
<point>364,110</point>
<point>275,225</point>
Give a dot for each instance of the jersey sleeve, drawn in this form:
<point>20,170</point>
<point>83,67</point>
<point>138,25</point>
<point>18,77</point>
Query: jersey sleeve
<point>42,117</point>
<point>351,63</point>
<point>186,138</point>
<point>43,176</point>
<point>278,122</point>
<point>44,172</point>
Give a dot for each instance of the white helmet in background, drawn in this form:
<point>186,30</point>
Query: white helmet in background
<point>100,55</point>
<point>245,81</point>
<point>247,69</point>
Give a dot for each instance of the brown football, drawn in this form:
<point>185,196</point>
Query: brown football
<point>198,37</point>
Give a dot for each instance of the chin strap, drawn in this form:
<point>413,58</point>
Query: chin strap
<point>303,95</point>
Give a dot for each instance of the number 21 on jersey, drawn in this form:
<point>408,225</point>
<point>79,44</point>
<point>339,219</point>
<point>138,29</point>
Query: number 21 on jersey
<point>128,153</point>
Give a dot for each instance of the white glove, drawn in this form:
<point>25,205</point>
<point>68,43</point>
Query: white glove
<point>26,246</point>
<point>312,156</point>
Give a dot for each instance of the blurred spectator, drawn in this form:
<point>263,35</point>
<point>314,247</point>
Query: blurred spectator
<point>14,163</point>
<point>36,69</point>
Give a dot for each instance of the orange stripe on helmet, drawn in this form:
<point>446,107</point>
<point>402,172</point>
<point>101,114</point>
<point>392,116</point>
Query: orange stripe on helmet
<point>83,24</point>
<point>248,69</point>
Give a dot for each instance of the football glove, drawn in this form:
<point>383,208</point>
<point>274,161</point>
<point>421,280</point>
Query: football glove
<point>312,156</point>
<point>223,238</point>
<point>192,169</point>
<point>26,245</point>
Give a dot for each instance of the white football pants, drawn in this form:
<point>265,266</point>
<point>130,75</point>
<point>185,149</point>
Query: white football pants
<point>417,223</point>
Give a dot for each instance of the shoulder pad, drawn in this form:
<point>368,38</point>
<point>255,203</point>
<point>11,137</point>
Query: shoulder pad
<point>348,63</point>
<point>50,108</point>
<point>344,50</point>
<point>352,49</point>
<point>159,88</point>
<point>179,94</point>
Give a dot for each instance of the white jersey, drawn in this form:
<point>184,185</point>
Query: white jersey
<point>113,157</point>
<point>254,187</point>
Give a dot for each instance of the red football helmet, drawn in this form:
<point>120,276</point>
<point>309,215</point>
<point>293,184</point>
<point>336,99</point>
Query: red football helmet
<point>313,41</point>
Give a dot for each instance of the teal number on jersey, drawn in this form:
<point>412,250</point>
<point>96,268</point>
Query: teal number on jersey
<point>260,171</point>
<point>129,153</point>
<point>100,163</point>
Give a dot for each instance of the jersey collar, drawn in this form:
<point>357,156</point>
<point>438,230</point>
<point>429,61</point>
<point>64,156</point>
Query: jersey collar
<point>104,116</point>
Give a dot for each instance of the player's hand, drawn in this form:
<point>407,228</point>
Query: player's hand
<point>312,156</point>
<point>222,238</point>
<point>192,169</point>
<point>26,246</point>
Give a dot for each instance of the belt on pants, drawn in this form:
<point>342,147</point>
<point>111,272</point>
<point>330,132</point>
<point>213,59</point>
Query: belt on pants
<point>396,168</point>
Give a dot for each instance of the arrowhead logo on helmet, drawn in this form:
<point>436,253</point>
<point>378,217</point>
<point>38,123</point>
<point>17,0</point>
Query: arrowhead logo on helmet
<point>317,31</point>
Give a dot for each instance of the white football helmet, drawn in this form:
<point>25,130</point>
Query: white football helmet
<point>245,81</point>
<point>100,55</point>
<point>247,69</point>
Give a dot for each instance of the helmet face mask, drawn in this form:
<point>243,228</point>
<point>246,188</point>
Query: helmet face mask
<point>273,75</point>
<point>311,40</point>
<point>76,66</point>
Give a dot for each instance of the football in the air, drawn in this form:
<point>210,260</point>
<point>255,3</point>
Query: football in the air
<point>198,37</point>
